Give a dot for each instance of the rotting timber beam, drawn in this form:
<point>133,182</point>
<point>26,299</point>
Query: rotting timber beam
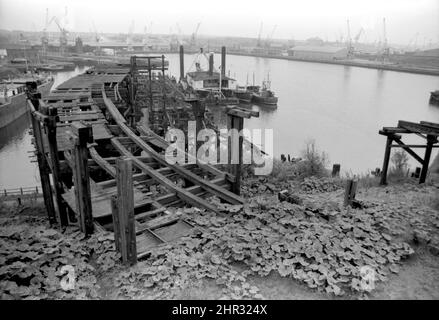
<point>81,136</point>
<point>430,141</point>
<point>206,184</point>
<point>50,126</point>
<point>235,124</point>
<point>34,103</point>
<point>182,193</point>
<point>122,207</point>
<point>431,132</point>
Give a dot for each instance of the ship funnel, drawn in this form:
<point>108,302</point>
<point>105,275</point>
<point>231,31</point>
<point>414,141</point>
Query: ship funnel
<point>223,61</point>
<point>211,64</point>
<point>181,62</point>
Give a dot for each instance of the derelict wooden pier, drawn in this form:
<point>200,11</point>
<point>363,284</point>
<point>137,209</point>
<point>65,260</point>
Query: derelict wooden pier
<point>102,167</point>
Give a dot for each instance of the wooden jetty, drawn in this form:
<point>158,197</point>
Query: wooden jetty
<point>426,130</point>
<point>100,167</point>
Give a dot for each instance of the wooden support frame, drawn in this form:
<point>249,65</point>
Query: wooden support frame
<point>123,212</point>
<point>235,124</point>
<point>424,129</point>
<point>350,192</point>
<point>82,135</point>
<point>43,166</point>
<point>50,125</point>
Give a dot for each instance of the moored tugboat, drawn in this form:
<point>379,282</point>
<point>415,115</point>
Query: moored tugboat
<point>243,94</point>
<point>13,96</point>
<point>264,96</point>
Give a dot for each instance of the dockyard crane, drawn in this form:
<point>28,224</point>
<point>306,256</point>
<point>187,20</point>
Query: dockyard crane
<point>45,36</point>
<point>194,35</point>
<point>349,44</point>
<point>63,33</point>
<point>270,36</point>
<point>130,37</point>
<point>179,38</point>
<point>97,39</point>
<point>145,38</point>
<point>413,42</point>
<point>357,37</point>
<point>385,52</point>
<point>259,35</point>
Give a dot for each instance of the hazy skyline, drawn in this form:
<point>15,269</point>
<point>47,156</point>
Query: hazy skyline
<point>293,19</point>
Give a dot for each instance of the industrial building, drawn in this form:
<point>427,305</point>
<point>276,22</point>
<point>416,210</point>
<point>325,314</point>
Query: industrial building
<point>318,52</point>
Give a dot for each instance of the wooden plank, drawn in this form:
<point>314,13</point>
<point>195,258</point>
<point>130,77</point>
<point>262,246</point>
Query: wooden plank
<point>116,223</point>
<point>350,191</point>
<point>386,160</point>
<point>430,124</point>
<point>164,144</point>
<point>42,161</point>
<point>409,151</point>
<point>54,158</point>
<point>190,198</point>
<point>236,124</point>
<point>125,210</point>
<point>223,194</point>
<point>102,162</point>
<point>427,155</point>
<point>419,128</point>
<point>81,176</point>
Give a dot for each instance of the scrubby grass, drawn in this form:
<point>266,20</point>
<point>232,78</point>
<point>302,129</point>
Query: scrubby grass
<point>313,164</point>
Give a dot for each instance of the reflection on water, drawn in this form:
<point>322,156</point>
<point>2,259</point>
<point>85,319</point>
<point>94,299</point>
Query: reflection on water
<point>16,168</point>
<point>342,108</point>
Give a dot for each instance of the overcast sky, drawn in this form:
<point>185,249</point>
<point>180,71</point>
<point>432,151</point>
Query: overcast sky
<point>294,19</point>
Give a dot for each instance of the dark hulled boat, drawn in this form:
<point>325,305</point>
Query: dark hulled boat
<point>13,97</point>
<point>264,96</point>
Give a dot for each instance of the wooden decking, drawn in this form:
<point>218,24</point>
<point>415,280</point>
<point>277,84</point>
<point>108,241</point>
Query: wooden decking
<point>424,129</point>
<point>88,101</point>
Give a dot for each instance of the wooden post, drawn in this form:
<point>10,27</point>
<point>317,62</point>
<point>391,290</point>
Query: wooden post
<point>235,122</point>
<point>430,141</point>
<point>33,98</point>
<point>54,158</point>
<point>82,136</point>
<point>336,170</point>
<point>386,161</point>
<point>350,191</point>
<point>199,109</point>
<point>235,160</point>
<point>123,212</point>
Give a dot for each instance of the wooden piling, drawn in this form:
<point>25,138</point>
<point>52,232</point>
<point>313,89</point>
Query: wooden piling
<point>181,63</point>
<point>54,158</point>
<point>33,99</point>
<point>387,151</point>
<point>430,141</point>
<point>123,212</point>
<point>336,170</point>
<point>236,124</point>
<point>350,191</point>
<point>82,136</point>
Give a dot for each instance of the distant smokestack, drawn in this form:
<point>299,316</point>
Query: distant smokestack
<point>223,61</point>
<point>211,64</point>
<point>181,63</point>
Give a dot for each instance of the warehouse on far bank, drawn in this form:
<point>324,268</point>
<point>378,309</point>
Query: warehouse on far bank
<point>318,52</point>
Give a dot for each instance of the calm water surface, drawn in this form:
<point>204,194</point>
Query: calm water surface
<point>342,108</point>
<point>16,168</point>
